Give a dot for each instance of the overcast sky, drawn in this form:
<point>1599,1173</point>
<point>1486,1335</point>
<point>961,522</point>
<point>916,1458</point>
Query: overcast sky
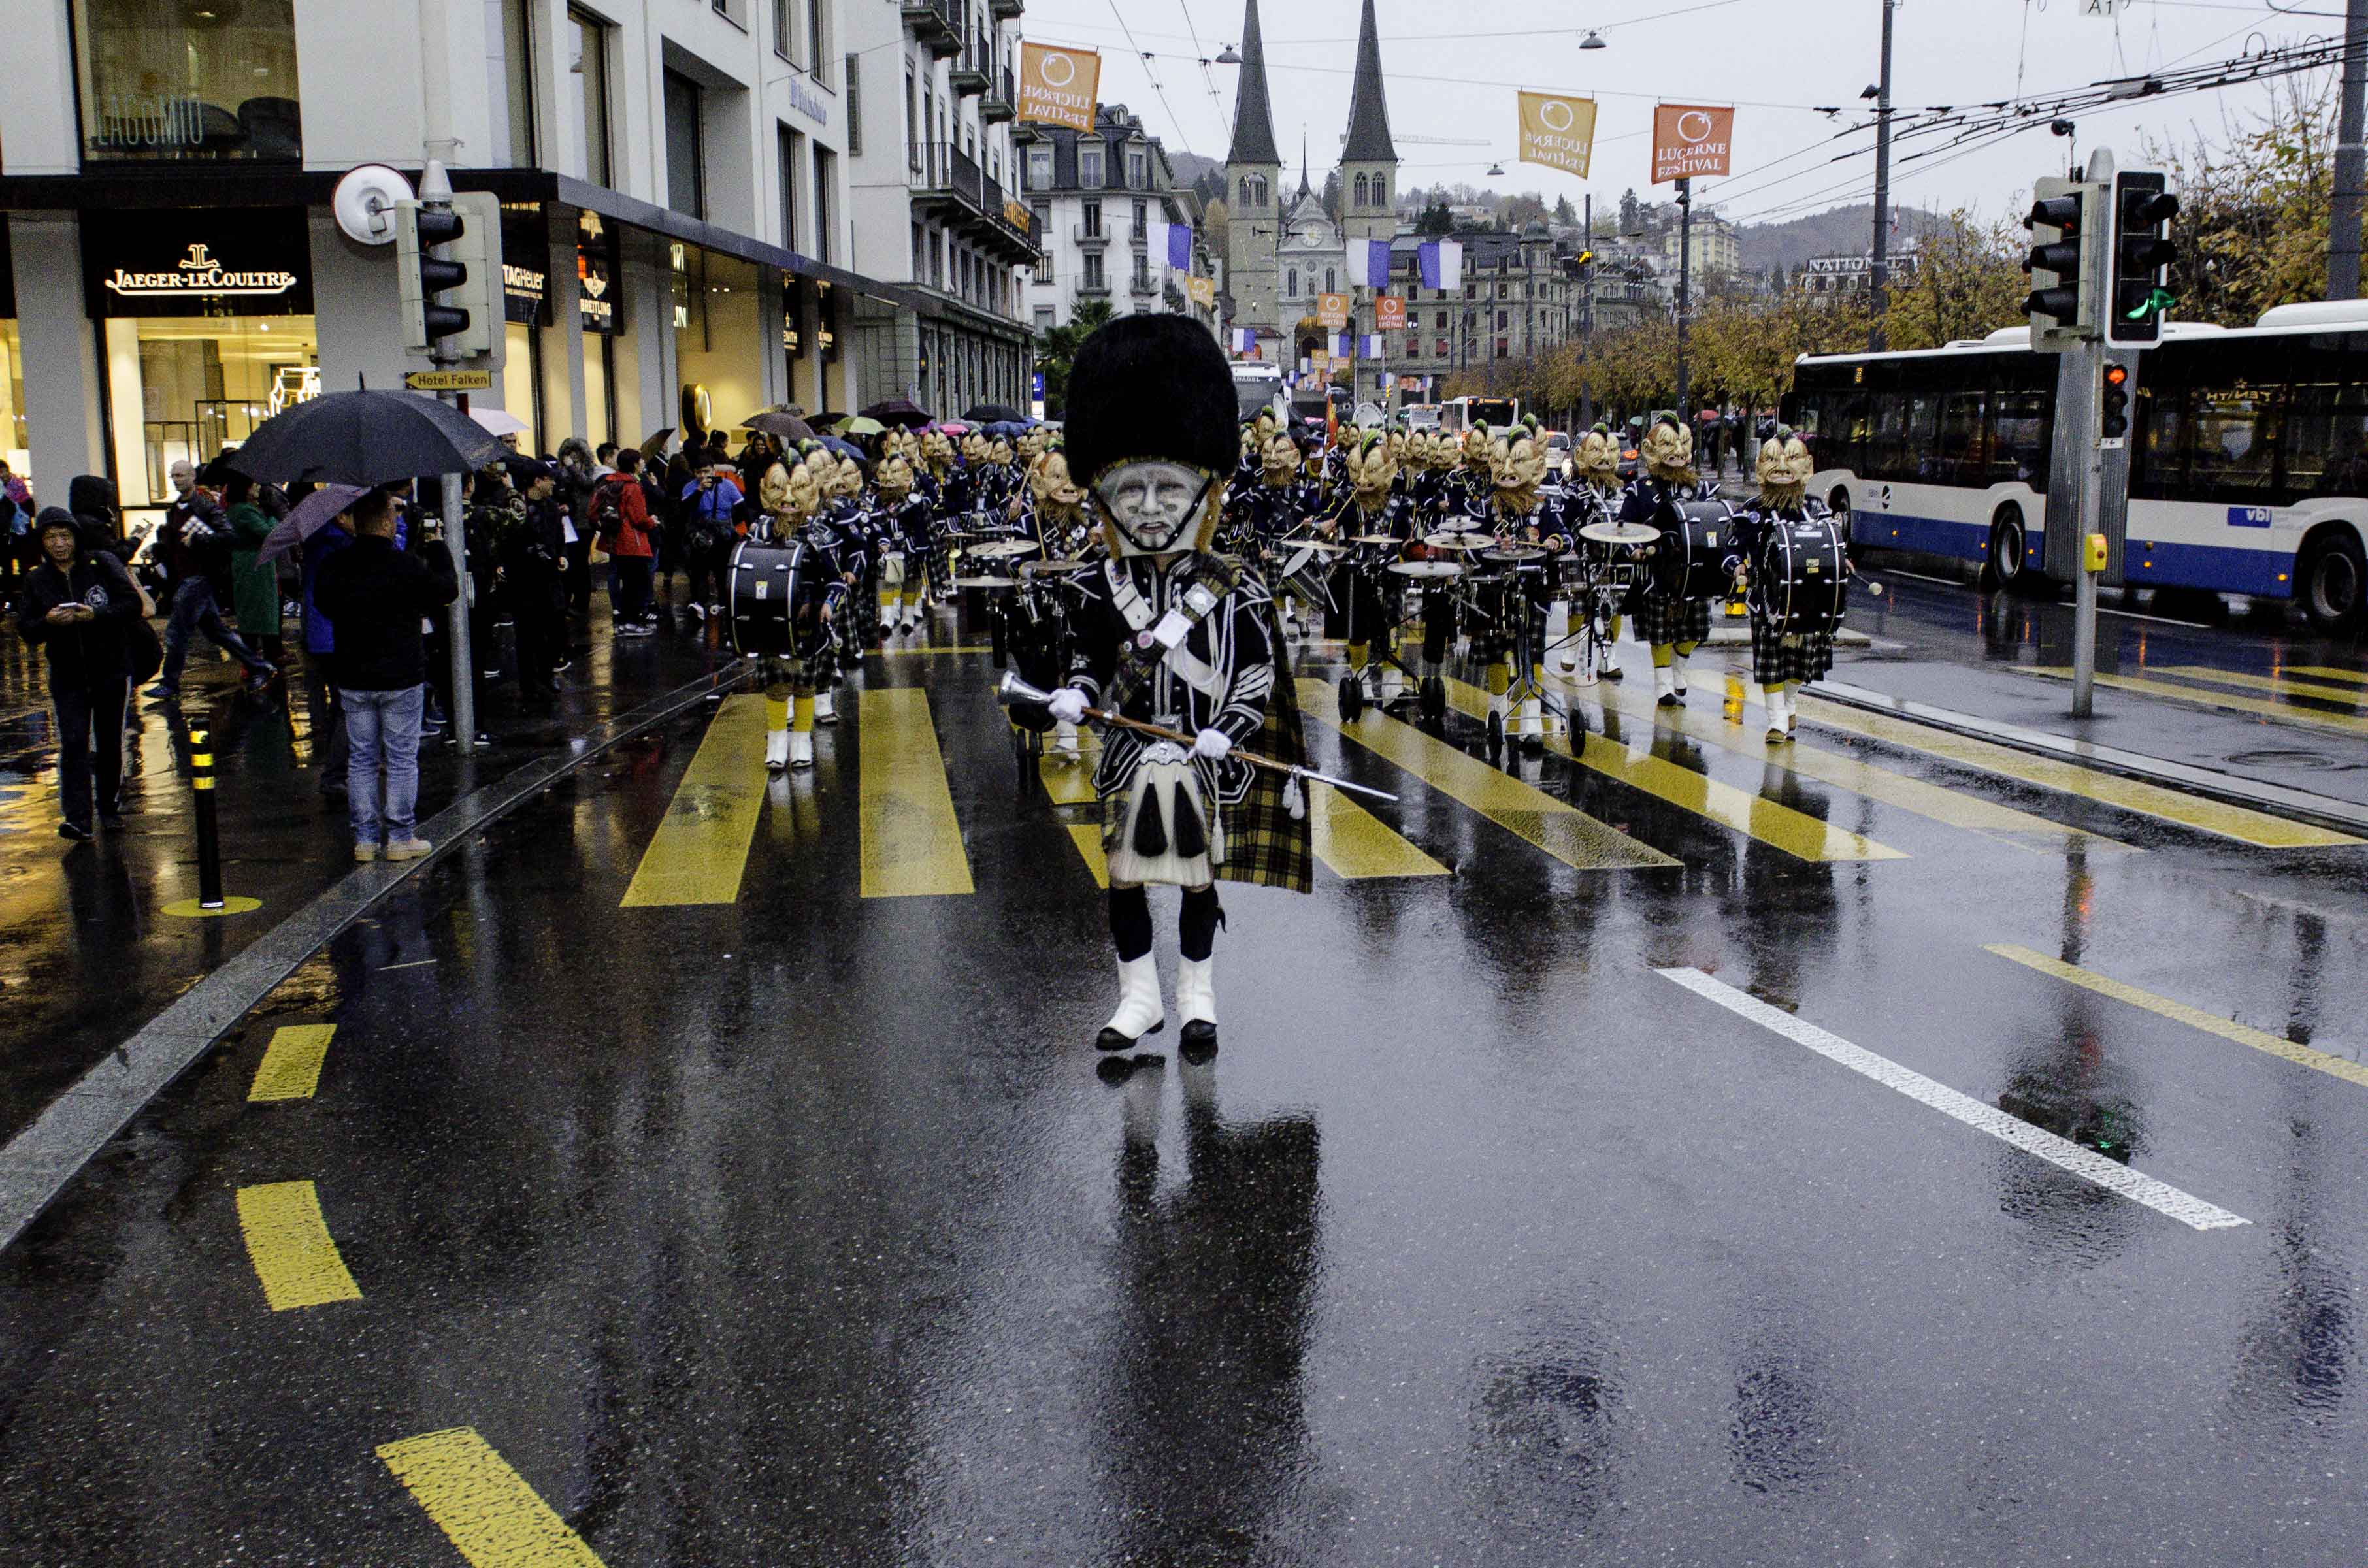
<point>1777,60</point>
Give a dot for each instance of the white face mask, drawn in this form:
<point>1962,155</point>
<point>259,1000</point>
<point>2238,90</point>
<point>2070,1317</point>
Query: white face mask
<point>1154,507</point>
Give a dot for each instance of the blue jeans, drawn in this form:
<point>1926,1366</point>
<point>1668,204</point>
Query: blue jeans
<point>382,726</point>
<point>194,610</point>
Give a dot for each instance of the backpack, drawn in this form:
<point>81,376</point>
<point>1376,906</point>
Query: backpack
<point>608,511</point>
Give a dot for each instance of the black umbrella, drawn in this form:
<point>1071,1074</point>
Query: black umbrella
<point>363,438</point>
<point>898,411</point>
<point>996,414</point>
<point>779,422</point>
<point>653,445</point>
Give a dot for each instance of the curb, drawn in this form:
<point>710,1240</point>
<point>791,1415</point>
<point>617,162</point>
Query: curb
<point>39,1163</point>
<point>2230,789</point>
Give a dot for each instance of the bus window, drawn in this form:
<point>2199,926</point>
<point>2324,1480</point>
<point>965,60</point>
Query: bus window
<point>1921,434</point>
<point>2018,439</point>
<point>2159,456</point>
<point>2233,452</point>
<point>2327,439</point>
<point>1846,437</point>
<point>1962,459</point>
<point>1886,445</point>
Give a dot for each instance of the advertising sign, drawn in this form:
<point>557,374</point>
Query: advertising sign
<point>1332,311</point>
<point>1389,312</point>
<point>1690,140</point>
<point>1057,86</point>
<point>1558,131</point>
<point>199,261</point>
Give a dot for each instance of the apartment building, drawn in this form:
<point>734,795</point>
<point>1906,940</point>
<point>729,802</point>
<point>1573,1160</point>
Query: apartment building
<point>1104,203</point>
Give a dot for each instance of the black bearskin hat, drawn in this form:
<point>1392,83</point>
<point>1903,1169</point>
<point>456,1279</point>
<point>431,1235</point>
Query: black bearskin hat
<point>1151,386</point>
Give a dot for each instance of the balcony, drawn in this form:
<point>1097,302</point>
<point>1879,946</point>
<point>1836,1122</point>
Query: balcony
<point>1002,101</point>
<point>1094,289</point>
<point>1090,234</point>
<point>1004,10</point>
<point>1142,286</point>
<point>936,24</point>
<point>951,187</point>
<point>973,70</point>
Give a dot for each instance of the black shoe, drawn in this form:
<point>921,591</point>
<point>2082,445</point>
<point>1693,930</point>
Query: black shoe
<point>81,834</point>
<point>1200,1045</point>
<point>1614,672</point>
<point>1111,1039</point>
<point>1672,700</point>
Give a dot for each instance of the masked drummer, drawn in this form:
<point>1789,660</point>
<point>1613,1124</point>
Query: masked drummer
<point>1783,658</point>
<point>1594,497</point>
<point>1376,506</point>
<point>1173,635</point>
<point>905,532</point>
<point>1672,623</point>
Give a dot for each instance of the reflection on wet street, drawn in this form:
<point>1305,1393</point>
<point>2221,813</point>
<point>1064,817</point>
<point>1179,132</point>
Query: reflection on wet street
<point>789,1216</point>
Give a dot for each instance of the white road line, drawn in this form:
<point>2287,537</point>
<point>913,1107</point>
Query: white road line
<point>2157,1196</point>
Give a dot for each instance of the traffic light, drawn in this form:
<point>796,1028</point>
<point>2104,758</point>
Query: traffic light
<point>2063,264</point>
<point>2113,407</point>
<point>461,326</point>
<point>2141,255</point>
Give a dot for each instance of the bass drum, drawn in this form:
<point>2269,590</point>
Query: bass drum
<point>766,580</point>
<point>1691,561</point>
<point>1803,575</point>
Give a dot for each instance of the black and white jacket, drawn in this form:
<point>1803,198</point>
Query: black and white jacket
<point>1219,678</point>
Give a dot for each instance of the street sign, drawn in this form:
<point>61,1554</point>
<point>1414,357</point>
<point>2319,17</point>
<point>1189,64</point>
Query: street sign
<point>448,381</point>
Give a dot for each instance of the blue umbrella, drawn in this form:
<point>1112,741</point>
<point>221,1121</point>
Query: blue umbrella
<point>307,517</point>
<point>844,448</point>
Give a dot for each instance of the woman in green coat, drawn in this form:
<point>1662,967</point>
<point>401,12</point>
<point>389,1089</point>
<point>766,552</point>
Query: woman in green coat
<point>254,584</point>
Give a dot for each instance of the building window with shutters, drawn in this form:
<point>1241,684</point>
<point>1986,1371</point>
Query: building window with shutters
<point>1089,167</point>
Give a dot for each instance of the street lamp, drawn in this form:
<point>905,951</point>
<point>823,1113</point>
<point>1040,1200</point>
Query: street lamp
<point>1593,41</point>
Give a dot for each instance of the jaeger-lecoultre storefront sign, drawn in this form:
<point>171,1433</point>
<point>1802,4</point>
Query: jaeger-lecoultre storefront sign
<point>217,261</point>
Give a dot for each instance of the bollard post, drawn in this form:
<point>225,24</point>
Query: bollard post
<point>201,785</point>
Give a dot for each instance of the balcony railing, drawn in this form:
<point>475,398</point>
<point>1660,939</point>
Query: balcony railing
<point>951,178</point>
<point>1003,10</point>
<point>1090,234</point>
<point>1143,284</point>
<point>970,74</point>
<point>1002,101</point>
<point>1094,287</point>
<point>935,23</point>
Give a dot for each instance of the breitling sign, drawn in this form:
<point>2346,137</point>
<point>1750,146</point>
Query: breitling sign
<point>197,262</point>
<point>1057,87</point>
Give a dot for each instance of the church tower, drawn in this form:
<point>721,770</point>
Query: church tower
<point>1369,159</point>
<point>1253,191</point>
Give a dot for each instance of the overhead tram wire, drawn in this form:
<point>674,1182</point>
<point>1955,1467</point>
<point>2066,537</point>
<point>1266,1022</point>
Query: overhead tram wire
<point>1172,117</point>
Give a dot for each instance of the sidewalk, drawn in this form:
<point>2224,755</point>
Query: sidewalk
<point>87,953</point>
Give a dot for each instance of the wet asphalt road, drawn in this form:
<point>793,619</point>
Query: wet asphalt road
<point>805,1228</point>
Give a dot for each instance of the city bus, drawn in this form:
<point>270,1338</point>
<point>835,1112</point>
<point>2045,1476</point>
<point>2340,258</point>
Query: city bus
<point>2248,473</point>
<point>1458,415</point>
<point>1255,384</point>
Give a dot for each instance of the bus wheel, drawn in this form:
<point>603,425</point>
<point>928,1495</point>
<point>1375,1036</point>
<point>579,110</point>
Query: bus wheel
<point>2334,581</point>
<point>2007,568</point>
<point>1839,505</point>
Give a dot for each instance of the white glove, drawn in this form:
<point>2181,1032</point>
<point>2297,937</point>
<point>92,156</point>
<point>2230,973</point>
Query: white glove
<point>1212,745</point>
<point>1067,705</point>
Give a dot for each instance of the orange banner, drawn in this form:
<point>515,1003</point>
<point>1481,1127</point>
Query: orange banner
<point>1558,131</point>
<point>1332,311</point>
<point>1690,140</point>
<point>1389,312</point>
<point>1057,86</point>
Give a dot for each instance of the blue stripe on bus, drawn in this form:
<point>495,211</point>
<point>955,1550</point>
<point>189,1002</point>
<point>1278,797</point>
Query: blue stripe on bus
<point>2223,568</point>
<point>1931,536</point>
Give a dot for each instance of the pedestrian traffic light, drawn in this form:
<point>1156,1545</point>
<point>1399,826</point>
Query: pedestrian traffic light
<point>2113,407</point>
<point>2142,254</point>
<point>2063,264</point>
<point>463,324</point>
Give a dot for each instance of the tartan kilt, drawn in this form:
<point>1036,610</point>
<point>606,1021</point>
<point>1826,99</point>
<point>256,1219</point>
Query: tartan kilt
<point>1265,844</point>
<point>1776,658</point>
<point>1659,619</point>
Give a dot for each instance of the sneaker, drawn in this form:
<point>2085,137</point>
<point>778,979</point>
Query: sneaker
<point>161,690</point>
<point>365,853</point>
<point>406,849</point>
<point>74,831</point>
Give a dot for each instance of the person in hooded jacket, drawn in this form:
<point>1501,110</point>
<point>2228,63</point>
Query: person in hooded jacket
<point>78,604</point>
<point>575,483</point>
<point>204,585</point>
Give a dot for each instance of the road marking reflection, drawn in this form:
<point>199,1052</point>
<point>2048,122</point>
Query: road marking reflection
<point>2279,713</point>
<point>291,1069</point>
<point>483,1506</point>
<point>2281,685</point>
<point>288,1242</point>
<point>912,845</point>
<point>700,850</point>
<point>2160,1197</point>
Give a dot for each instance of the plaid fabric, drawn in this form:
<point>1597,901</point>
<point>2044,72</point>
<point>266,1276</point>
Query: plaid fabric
<point>1775,657</point>
<point>1265,844</point>
<point>1669,621</point>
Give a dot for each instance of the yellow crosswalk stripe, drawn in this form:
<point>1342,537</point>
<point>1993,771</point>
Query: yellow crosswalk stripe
<point>1955,808</point>
<point>2328,672</point>
<point>2302,1055</point>
<point>1356,846</point>
<point>701,848</point>
<point>2281,684</point>
<point>912,843</point>
<point>2283,714</point>
<point>289,1244</point>
<point>291,1069</point>
<point>1770,822</point>
<point>1556,827</point>
<point>2090,784</point>
<point>1072,784</point>
<point>484,1508</point>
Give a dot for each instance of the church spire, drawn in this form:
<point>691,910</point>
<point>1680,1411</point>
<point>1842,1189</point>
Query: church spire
<point>1253,121</point>
<point>1369,111</point>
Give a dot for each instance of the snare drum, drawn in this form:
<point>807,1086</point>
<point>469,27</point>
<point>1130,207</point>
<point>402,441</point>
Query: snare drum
<point>767,579</point>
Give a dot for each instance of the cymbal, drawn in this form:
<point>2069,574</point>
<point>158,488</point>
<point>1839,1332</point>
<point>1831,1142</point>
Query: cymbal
<point>1320,546</point>
<point>1042,568</point>
<point>1515,553</point>
<point>1620,533</point>
<point>1460,539</point>
<point>1428,569</point>
<point>987,582</point>
<point>1376,538</point>
<point>1004,548</point>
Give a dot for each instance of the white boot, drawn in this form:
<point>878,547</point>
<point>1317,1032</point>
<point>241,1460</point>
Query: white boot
<point>1772,696</point>
<point>801,749</point>
<point>1064,739</point>
<point>1792,710</point>
<point>1196,1001</point>
<point>1139,1009</point>
<point>1393,684</point>
<point>777,750</point>
<point>826,707</point>
<point>1665,686</point>
<point>1678,672</point>
<point>1606,666</point>
<point>1530,722</point>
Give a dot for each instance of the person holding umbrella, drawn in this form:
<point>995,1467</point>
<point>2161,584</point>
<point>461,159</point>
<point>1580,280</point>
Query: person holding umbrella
<point>79,604</point>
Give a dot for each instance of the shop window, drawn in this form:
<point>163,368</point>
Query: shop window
<point>186,82</point>
<point>14,442</point>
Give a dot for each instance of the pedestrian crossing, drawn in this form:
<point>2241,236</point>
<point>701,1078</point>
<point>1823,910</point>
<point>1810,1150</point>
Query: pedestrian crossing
<point>2283,712</point>
<point>913,840</point>
<point>2282,684</point>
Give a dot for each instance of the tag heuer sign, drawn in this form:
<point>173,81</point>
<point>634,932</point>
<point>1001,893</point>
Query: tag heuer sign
<point>197,262</point>
<point>448,381</point>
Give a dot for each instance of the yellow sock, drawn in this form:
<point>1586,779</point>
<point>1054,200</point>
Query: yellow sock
<point>1500,678</point>
<point>1360,653</point>
<point>1537,674</point>
<point>1685,650</point>
<point>777,713</point>
<point>801,716</point>
<point>1662,654</point>
<point>1613,626</point>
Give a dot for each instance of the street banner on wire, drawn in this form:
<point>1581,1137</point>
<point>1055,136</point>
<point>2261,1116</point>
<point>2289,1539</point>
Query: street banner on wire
<point>1558,131</point>
<point>1689,141</point>
<point>1389,312</point>
<point>1441,265</point>
<point>1057,87</point>
<point>1172,243</point>
<point>1369,263</point>
<point>1204,292</point>
<point>1332,311</point>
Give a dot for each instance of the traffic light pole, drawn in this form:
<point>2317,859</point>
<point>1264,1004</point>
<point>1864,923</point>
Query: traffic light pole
<point>2084,581</point>
<point>435,191</point>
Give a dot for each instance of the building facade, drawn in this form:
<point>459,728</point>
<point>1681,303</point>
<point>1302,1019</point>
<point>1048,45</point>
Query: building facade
<point>680,239</point>
<point>1518,295</point>
<point>1099,200</point>
<point>1713,245</point>
<point>1847,276</point>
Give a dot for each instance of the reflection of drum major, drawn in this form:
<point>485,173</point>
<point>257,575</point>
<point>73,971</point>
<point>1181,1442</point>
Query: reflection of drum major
<point>1691,559</point>
<point>1801,577</point>
<point>770,580</point>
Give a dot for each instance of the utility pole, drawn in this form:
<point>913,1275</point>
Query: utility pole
<point>1587,316</point>
<point>1685,289</point>
<point>435,191</point>
<point>1881,271</point>
<point>2351,160</point>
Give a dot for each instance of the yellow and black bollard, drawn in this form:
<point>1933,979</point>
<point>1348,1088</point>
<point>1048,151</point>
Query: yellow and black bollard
<point>211,901</point>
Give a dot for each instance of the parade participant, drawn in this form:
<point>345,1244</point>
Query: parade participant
<point>903,542</point>
<point>1173,635</point>
<point>1472,481</point>
<point>795,685</point>
<point>1374,506</point>
<point>1595,498</point>
<point>1783,659</point>
<point>1674,625</point>
<point>1522,511</point>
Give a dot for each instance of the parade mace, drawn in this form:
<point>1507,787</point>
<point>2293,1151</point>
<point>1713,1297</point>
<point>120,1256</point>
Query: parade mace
<point>1012,688</point>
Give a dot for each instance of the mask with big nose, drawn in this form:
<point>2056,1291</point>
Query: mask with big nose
<point>1155,507</point>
